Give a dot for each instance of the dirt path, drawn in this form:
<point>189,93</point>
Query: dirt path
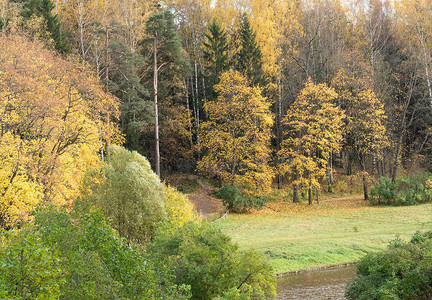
<point>205,202</point>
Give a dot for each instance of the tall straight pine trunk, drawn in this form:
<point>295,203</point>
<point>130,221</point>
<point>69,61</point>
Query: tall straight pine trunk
<point>155,89</point>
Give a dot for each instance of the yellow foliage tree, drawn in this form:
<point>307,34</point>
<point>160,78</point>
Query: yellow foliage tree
<point>365,129</point>
<point>237,135</point>
<point>55,118</point>
<point>314,130</point>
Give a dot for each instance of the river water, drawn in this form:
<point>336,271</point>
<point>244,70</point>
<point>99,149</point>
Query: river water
<point>319,285</point>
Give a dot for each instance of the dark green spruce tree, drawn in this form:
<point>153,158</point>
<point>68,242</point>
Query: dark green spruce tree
<point>123,79</point>
<point>44,8</point>
<point>216,49</point>
<point>249,58</point>
<point>168,61</point>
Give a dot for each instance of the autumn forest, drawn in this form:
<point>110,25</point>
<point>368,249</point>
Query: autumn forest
<point>102,101</point>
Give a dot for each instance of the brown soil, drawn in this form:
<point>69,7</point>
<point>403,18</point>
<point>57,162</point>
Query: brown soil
<point>204,201</point>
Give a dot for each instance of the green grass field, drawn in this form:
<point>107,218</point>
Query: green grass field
<point>298,237</point>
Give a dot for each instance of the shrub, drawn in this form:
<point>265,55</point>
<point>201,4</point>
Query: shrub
<point>404,191</point>
<point>78,256</point>
<point>28,268</point>
<point>206,259</point>
<point>129,193</point>
<point>234,200</point>
<point>401,272</point>
<point>384,192</point>
<point>178,207</point>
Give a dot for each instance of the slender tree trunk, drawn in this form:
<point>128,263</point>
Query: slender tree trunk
<point>330,173</point>
<point>106,55</point>
<point>365,184</point>
<point>310,190</point>
<point>81,28</point>
<point>396,158</point>
<point>279,128</point>
<point>296,193</point>
<point>197,121</point>
<point>155,98</point>
<point>106,79</point>
<point>365,187</point>
<point>349,165</point>
<point>280,181</point>
<point>425,57</point>
<point>196,116</point>
<point>378,168</point>
<point>234,162</point>
<point>188,108</point>
<point>296,188</point>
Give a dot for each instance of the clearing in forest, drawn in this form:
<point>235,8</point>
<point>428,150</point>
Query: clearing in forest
<point>297,236</point>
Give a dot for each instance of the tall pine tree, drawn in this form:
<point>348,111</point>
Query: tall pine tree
<point>124,81</point>
<point>216,50</point>
<point>168,61</point>
<point>249,57</point>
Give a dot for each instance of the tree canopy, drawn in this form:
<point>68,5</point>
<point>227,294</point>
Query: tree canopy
<point>237,135</point>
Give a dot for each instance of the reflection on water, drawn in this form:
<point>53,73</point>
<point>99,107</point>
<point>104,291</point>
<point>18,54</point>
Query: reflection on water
<point>325,284</point>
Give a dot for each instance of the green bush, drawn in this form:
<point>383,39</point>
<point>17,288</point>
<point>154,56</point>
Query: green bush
<point>206,259</point>
<point>78,256</point>
<point>233,199</point>
<point>28,268</point>
<point>404,191</point>
<point>128,193</point>
<point>401,272</point>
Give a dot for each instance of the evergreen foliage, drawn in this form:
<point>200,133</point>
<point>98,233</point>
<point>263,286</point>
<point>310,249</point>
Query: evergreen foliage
<point>403,191</point>
<point>170,65</point>
<point>216,50</point>
<point>249,57</point>
<point>124,81</point>
<point>171,58</point>
<point>233,198</point>
<point>44,8</point>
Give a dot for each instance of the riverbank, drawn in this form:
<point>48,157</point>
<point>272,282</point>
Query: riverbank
<point>324,284</point>
<point>296,237</point>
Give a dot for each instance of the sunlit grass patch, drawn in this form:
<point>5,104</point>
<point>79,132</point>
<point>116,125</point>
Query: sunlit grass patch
<point>298,236</point>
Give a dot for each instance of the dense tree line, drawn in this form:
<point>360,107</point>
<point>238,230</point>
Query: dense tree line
<point>80,216</point>
<point>374,54</point>
<point>252,94</point>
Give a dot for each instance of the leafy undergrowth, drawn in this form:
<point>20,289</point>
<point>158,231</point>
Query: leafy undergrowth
<point>297,236</point>
<point>185,183</point>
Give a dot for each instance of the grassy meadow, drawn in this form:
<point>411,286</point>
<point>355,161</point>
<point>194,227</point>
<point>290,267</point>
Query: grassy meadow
<point>297,237</point>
